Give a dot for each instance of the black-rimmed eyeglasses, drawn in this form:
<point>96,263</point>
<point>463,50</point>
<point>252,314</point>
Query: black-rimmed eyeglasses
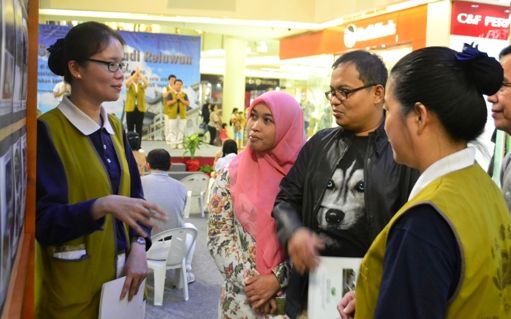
<point>112,66</point>
<point>345,93</point>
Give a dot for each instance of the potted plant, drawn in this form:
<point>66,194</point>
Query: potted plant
<point>191,144</point>
<point>206,169</point>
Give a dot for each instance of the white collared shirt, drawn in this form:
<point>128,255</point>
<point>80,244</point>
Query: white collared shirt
<point>444,166</point>
<point>82,121</point>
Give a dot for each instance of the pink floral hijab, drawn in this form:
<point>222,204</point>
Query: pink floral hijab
<point>255,178</point>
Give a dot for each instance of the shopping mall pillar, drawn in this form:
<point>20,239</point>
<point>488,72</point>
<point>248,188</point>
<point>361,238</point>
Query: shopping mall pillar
<point>233,94</point>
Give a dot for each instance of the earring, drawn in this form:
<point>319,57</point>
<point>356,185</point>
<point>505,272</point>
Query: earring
<point>78,76</point>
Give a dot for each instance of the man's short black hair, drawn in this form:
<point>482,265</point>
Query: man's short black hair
<point>505,51</point>
<point>159,159</point>
<point>171,76</point>
<point>370,67</point>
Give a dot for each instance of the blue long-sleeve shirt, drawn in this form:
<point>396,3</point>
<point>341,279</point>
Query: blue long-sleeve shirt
<point>422,267</point>
<point>57,221</point>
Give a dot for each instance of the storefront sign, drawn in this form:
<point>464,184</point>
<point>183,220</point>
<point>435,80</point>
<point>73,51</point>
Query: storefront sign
<point>260,82</point>
<point>395,28</point>
<point>354,33</point>
<point>480,20</point>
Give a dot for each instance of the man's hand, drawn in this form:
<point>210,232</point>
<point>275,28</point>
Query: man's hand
<point>346,306</point>
<point>303,248</point>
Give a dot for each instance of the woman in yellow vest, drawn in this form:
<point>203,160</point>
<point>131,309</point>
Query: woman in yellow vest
<point>92,222</point>
<point>447,252</point>
<point>135,105</point>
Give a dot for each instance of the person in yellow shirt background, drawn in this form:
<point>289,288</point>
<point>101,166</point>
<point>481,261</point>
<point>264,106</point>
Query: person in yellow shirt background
<point>175,105</point>
<point>170,86</point>
<point>238,123</point>
<point>135,105</point>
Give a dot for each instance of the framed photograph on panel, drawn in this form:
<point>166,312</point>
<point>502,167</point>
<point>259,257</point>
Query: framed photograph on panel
<point>17,195</point>
<point>2,36</point>
<point>8,59</point>
<point>3,213</point>
<point>24,63</point>
<point>10,197</point>
<point>24,176</point>
<point>20,58</point>
<point>6,190</point>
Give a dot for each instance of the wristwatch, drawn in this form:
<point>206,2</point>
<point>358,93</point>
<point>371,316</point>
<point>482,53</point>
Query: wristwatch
<point>140,240</point>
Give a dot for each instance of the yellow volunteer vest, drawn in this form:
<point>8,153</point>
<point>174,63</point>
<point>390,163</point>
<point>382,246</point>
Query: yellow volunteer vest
<point>137,96</point>
<point>474,207</point>
<point>171,110</point>
<point>71,288</point>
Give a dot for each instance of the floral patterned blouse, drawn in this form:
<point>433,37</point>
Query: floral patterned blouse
<point>234,252</point>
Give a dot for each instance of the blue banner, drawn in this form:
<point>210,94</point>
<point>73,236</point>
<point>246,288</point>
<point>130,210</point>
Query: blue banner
<point>157,55</point>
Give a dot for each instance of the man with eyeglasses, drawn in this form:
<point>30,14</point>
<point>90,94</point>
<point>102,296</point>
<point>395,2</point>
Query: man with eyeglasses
<point>345,185</point>
<point>501,113</point>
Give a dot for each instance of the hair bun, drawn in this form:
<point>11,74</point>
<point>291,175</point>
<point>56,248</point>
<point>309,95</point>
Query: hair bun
<point>57,60</point>
<point>484,71</point>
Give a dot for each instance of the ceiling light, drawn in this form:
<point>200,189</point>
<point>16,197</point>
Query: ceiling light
<point>161,18</point>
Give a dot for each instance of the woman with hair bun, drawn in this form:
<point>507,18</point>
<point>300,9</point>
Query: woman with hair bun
<point>446,252</point>
<point>92,222</point>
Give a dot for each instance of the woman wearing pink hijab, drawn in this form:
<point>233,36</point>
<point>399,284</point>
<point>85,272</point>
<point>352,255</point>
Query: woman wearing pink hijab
<point>241,232</point>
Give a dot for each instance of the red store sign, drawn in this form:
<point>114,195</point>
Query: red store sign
<point>480,20</point>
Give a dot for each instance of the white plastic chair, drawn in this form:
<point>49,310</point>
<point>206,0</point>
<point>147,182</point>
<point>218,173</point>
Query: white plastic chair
<point>197,183</point>
<point>188,204</point>
<point>169,251</point>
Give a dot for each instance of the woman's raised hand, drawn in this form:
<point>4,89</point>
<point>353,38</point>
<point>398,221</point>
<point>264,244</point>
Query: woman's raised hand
<point>129,210</point>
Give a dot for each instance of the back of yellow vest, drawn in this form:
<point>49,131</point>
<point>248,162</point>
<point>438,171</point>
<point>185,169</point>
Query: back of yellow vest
<point>474,208</point>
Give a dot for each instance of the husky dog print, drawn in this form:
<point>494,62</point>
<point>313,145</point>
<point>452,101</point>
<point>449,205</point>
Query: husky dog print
<point>343,202</point>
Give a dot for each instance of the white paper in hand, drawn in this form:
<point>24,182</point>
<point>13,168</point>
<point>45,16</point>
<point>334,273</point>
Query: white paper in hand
<point>110,307</point>
<point>328,283</point>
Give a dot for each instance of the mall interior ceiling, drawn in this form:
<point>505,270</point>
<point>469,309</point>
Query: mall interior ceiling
<point>261,23</point>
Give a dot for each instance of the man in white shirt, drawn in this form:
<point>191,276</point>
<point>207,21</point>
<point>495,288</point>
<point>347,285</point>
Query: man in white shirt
<point>501,113</point>
<point>170,195</point>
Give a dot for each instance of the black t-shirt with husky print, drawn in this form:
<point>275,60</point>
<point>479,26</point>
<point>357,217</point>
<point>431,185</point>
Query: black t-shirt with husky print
<point>341,216</point>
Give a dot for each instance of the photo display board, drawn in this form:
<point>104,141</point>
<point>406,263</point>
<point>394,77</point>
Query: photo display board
<point>13,138</point>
